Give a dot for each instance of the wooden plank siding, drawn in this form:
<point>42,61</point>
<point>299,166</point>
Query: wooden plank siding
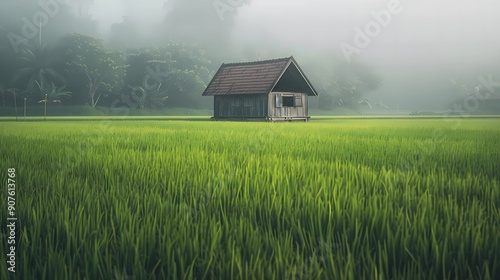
<point>241,106</point>
<point>283,112</point>
<point>261,106</point>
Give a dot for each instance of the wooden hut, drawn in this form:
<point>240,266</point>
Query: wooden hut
<point>272,90</point>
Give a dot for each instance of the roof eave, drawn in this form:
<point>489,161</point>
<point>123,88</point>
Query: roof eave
<point>211,81</point>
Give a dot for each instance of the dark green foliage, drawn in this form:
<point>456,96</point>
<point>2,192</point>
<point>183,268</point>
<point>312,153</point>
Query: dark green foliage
<point>92,71</point>
<point>97,75</point>
<point>178,71</point>
<point>38,68</point>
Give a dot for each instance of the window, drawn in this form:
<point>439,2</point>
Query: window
<point>287,101</point>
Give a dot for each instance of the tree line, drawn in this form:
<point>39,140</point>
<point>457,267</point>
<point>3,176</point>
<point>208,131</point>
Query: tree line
<point>81,70</point>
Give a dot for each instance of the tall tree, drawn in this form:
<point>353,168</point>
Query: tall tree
<point>178,71</point>
<point>93,71</point>
<point>53,93</point>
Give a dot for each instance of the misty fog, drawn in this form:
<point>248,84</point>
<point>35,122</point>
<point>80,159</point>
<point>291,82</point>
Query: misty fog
<point>423,52</point>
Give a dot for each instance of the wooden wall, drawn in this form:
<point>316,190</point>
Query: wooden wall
<point>275,106</point>
<point>241,106</point>
<point>297,110</point>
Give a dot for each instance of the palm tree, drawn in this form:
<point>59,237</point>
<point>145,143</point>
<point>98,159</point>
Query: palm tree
<point>52,94</point>
<point>150,98</point>
<point>39,68</point>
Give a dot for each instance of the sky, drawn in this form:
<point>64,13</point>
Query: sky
<point>107,12</point>
<point>420,27</point>
<point>423,45</point>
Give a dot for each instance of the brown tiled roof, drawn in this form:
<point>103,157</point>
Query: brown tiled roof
<point>259,77</point>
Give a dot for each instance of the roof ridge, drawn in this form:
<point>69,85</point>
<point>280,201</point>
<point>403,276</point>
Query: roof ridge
<point>258,61</point>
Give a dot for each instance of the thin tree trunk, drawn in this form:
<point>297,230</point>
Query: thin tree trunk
<point>93,88</point>
<point>15,104</point>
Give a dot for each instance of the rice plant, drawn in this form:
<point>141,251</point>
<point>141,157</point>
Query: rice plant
<point>331,199</point>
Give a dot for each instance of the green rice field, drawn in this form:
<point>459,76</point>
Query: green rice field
<point>332,198</point>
